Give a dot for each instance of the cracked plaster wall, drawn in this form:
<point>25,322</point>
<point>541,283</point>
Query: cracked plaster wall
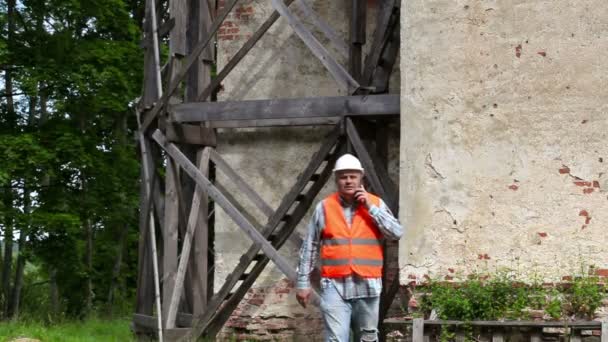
<point>279,66</point>
<point>504,153</point>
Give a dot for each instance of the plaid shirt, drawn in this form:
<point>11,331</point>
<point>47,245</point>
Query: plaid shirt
<point>351,286</point>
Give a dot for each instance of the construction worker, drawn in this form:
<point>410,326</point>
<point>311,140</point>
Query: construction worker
<point>346,234</point>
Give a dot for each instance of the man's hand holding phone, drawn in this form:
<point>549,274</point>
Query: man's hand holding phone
<point>361,196</point>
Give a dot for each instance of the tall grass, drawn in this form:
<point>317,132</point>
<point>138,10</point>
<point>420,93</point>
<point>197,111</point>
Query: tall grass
<point>70,331</point>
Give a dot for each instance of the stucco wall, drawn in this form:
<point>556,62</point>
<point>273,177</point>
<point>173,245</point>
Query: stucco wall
<point>504,153</point>
<point>279,66</point>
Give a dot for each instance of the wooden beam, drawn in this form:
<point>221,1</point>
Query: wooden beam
<point>382,74</point>
<point>190,60</point>
<point>170,236</point>
<point>186,244</point>
<point>243,186</point>
<point>358,19</point>
<point>344,79</point>
<point>384,22</point>
<point>240,54</point>
<point>286,232</point>
<point>327,30</point>
<point>245,261</point>
<point>311,107</point>
<point>221,200</point>
<point>418,330</point>
<point>328,121</point>
<point>190,134</point>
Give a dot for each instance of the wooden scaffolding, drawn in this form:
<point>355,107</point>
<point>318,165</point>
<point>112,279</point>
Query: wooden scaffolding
<point>177,118</point>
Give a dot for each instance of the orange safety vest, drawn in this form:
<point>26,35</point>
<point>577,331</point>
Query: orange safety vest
<point>355,249</point>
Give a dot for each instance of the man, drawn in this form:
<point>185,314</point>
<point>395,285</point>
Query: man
<point>346,232</point>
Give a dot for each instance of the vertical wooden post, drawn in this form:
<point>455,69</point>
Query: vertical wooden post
<point>170,235</point>
<point>357,37</point>
<point>604,337</point>
<point>418,330</point>
<point>535,335</point>
<point>497,336</point>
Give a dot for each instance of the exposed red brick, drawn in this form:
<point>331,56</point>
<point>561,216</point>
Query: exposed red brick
<point>226,37</point>
<point>542,234</point>
<point>567,278</point>
<point>588,219</point>
<point>596,332</point>
<point>596,184</point>
<point>233,30</point>
<point>513,187</point>
<point>518,51</point>
<point>564,170</point>
<point>486,257</point>
<point>583,213</point>
<point>588,190</point>
<point>451,270</point>
<point>542,53</point>
<point>227,24</point>
<point>221,31</point>
<point>479,256</point>
<point>282,290</point>
<point>582,183</point>
<point>602,272</point>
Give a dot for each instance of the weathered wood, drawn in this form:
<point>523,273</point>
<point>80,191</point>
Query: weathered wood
<point>285,233</point>
<point>328,121</point>
<point>586,325</point>
<point>186,245</point>
<point>497,336</point>
<point>190,60</point>
<point>382,73</point>
<point>366,161</point>
<point>149,321</point>
<point>178,10</point>
<point>220,199</point>
<point>327,30</point>
<point>170,236</point>
<point>367,106</point>
<point>145,289</point>
<point>575,335</point>
<point>150,90</point>
<point>384,23</point>
<point>199,266</point>
<point>418,330</point>
<point>234,177</point>
<point>163,30</point>
<point>344,79</point>
<point>535,336</point>
<point>357,37</point>
<point>245,261</point>
<point>175,334</point>
<point>190,134</point>
<point>604,337</point>
<point>240,54</point>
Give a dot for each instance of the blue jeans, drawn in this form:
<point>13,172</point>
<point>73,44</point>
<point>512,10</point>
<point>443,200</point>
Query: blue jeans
<point>340,315</point>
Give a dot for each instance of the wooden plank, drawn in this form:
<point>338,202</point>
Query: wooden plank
<point>535,336</point>
<point>145,290</point>
<point>331,34</point>
<point>186,246</point>
<point>382,73</point>
<point>149,321</point>
<point>497,336</point>
<point>190,134</point>
<point>367,106</point>
<point>344,79</point>
<point>384,22</point>
<point>234,177</point>
<point>176,334</point>
<point>366,161</point>
<point>575,335</point>
<point>418,330</point>
<point>604,337</point>
<point>221,200</point>
<point>170,236</point>
<point>199,266</point>
<point>590,325</point>
<point>357,37</point>
<point>328,121</point>
<point>286,233</point>
<point>190,60</point>
<point>202,322</point>
<point>178,10</point>
<point>240,54</point>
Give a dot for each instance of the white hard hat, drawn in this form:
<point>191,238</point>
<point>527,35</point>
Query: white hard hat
<point>348,162</point>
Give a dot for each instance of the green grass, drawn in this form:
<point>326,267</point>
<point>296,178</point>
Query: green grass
<point>72,331</point>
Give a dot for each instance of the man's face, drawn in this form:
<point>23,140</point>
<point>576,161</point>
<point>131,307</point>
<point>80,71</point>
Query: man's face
<point>348,181</point>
